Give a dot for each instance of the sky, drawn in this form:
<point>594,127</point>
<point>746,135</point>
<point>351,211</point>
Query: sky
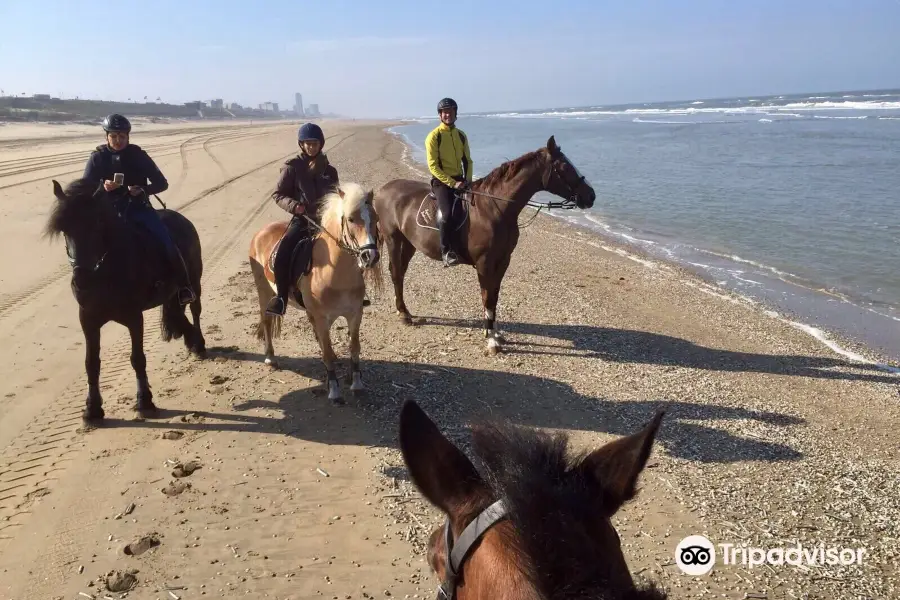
<point>397,58</point>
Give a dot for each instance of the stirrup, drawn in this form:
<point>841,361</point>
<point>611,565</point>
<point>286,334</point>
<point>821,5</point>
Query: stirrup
<point>186,295</point>
<point>277,307</point>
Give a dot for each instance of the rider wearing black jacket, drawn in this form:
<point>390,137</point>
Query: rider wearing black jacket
<point>141,178</point>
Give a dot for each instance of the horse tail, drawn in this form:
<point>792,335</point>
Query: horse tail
<point>172,319</point>
<point>275,323</point>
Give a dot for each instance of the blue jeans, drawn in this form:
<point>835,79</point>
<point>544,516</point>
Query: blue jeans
<point>138,210</point>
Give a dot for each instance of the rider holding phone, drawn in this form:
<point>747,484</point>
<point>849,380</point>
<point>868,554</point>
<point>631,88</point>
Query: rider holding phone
<point>128,173</point>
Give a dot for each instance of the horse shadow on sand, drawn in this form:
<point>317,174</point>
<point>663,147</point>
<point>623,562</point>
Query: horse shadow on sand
<point>457,396</point>
<point>644,347</point>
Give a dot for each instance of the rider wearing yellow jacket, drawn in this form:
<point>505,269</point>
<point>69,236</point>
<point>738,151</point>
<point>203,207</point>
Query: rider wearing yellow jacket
<point>450,164</point>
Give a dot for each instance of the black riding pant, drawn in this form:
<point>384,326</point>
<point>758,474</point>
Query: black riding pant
<point>445,196</point>
<point>297,231</point>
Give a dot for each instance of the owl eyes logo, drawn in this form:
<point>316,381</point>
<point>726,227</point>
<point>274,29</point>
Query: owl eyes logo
<point>695,555</point>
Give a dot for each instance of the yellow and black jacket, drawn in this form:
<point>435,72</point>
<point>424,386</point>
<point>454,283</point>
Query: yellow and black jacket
<point>447,153</point>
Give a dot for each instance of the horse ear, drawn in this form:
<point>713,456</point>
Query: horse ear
<point>58,191</point>
<point>439,469</point>
<point>551,145</point>
<point>617,465</point>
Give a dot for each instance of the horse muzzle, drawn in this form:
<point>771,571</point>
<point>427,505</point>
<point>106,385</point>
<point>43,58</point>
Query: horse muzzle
<point>586,199</point>
<point>368,257</point>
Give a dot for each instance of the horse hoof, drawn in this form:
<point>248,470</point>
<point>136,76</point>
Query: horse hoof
<point>147,410</point>
<point>334,392</point>
<point>493,346</point>
<point>92,416</point>
<point>357,385</point>
<point>270,361</point>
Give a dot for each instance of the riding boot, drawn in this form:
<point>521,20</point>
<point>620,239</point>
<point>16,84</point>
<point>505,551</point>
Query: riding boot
<point>278,304</point>
<point>450,257</point>
<point>179,268</point>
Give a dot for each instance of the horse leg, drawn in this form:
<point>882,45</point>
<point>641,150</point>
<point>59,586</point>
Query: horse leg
<point>144,396</point>
<point>353,325</point>
<point>264,294</point>
<point>490,294</point>
<point>322,327</point>
<point>401,253</point>
<point>93,411</point>
<point>198,344</point>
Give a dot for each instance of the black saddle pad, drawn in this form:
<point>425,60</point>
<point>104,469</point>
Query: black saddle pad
<point>301,263</point>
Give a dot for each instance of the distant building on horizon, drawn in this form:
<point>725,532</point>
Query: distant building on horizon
<point>269,107</point>
<point>313,110</point>
<point>298,104</point>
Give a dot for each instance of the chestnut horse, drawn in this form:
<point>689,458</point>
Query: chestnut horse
<point>489,235</point>
<point>344,251</point>
<point>537,524</point>
<point>117,273</point>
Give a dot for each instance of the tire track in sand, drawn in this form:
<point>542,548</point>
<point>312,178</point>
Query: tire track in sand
<point>36,457</point>
<point>10,302</point>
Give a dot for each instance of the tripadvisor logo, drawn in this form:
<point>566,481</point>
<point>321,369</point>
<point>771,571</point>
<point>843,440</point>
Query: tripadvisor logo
<point>696,555</point>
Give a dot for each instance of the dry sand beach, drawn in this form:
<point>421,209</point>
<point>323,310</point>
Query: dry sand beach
<point>771,437</point>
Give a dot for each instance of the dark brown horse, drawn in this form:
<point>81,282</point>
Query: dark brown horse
<point>117,274</point>
<point>537,524</point>
<point>487,238</point>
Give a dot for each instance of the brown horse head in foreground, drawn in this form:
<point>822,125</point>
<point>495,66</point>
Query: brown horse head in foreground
<point>537,525</point>
<point>491,232</point>
<point>344,256</point>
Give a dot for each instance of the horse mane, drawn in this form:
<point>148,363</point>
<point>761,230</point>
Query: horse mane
<point>332,207</point>
<point>509,169</point>
<point>66,212</point>
<point>549,499</point>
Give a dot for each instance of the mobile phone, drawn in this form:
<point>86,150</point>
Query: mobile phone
<point>119,178</point>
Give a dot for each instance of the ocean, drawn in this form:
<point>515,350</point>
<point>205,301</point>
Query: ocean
<point>792,200</point>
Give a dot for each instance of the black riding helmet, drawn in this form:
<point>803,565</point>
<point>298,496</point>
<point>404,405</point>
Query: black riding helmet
<point>116,122</point>
<point>311,131</point>
<point>447,103</point>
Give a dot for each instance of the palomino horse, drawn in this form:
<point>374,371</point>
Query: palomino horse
<point>344,255</point>
<point>118,272</point>
<point>490,233</point>
<point>537,525</point>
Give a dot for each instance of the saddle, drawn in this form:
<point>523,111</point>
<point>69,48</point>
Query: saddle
<point>426,217</point>
<point>301,262</point>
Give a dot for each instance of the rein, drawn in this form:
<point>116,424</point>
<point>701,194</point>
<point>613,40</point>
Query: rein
<point>356,250</point>
<point>567,204</point>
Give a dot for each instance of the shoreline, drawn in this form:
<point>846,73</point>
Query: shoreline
<point>768,435</point>
<point>839,342</point>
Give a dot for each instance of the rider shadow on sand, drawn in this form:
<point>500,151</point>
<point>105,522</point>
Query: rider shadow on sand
<point>456,396</point>
<point>643,347</point>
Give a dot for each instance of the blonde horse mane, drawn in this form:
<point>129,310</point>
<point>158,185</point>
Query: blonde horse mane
<point>332,209</point>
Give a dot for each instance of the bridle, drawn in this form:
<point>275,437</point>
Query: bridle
<point>347,242</point>
<point>567,204</point>
<point>71,258</point>
<point>572,200</point>
<point>457,553</point>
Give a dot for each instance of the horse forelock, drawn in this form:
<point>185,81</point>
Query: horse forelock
<point>67,212</point>
<point>334,208</point>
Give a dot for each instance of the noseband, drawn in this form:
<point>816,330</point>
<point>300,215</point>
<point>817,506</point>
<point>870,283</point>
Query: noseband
<point>456,554</point>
